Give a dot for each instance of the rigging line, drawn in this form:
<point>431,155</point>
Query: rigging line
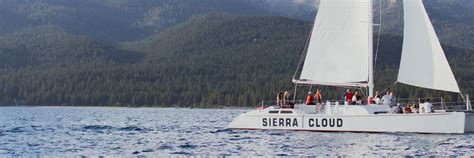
<point>388,88</point>
<point>379,34</point>
<point>303,55</point>
<point>462,96</point>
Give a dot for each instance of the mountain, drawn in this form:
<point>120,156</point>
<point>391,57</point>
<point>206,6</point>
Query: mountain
<point>116,21</point>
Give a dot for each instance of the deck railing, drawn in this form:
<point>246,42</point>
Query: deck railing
<point>438,103</point>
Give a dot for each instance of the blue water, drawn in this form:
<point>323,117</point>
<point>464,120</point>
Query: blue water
<point>90,131</point>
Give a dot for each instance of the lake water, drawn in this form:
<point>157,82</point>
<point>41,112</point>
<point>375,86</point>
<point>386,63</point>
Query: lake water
<point>91,131</point>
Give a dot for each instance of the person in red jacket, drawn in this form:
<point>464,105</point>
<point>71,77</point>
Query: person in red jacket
<point>349,95</point>
<point>318,96</point>
<point>310,99</point>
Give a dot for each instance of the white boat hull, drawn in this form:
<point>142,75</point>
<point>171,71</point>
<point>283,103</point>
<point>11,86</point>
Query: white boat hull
<point>443,122</point>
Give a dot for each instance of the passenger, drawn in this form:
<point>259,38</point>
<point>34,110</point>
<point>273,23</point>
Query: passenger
<point>393,100</point>
<point>415,108</point>
<point>399,110</point>
<point>286,97</point>
<point>407,109</point>
<point>370,100</point>
<point>280,98</point>
<point>318,96</point>
<point>287,100</point>
<point>377,97</point>
<point>310,99</point>
<point>355,97</point>
<point>348,96</point>
<point>386,99</point>
<point>358,99</point>
<point>422,106</point>
<point>428,106</point>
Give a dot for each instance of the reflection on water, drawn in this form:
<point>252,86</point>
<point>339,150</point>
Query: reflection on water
<point>89,131</point>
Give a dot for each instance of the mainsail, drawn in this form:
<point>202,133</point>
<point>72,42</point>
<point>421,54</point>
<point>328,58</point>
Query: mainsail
<point>338,51</point>
<point>423,62</point>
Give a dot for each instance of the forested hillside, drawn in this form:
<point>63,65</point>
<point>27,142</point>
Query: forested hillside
<point>453,19</point>
<point>208,60</point>
<point>190,52</point>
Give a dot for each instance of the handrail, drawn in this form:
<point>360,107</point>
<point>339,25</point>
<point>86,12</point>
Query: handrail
<point>438,103</point>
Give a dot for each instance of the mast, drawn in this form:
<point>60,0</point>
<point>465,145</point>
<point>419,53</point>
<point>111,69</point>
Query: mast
<point>371,49</point>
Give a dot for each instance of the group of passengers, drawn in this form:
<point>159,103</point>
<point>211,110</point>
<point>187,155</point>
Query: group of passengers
<point>424,107</point>
<point>310,99</point>
<point>387,99</point>
<point>352,98</point>
<point>284,99</point>
<point>349,97</point>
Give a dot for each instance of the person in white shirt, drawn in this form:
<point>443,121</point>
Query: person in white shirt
<point>428,106</point>
<point>422,106</point>
<point>377,97</point>
<point>356,99</point>
<point>386,99</point>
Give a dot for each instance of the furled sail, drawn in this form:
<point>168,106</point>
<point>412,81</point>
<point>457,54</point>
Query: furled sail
<point>423,62</point>
<point>338,51</point>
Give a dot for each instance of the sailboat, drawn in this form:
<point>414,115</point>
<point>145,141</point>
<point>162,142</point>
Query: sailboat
<point>343,33</point>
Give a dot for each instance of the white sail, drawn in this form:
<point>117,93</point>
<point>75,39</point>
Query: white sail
<point>423,62</point>
<point>338,51</point>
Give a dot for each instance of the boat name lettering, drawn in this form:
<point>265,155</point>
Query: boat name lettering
<point>325,122</point>
<point>280,122</point>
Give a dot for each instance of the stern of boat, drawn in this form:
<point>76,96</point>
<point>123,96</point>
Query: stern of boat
<point>469,123</point>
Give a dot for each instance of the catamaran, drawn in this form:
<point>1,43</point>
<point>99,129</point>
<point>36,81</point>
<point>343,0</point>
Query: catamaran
<point>343,33</point>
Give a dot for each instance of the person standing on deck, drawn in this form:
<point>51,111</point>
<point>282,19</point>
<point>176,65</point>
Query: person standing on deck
<point>310,99</point>
<point>429,106</point>
<point>348,95</point>
<point>287,100</point>
<point>280,98</point>
<point>318,96</point>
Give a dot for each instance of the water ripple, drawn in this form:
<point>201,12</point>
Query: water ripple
<point>16,130</point>
<point>188,146</point>
<point>132,128</point>
<point>181,153</point>
<point>97,127</point>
